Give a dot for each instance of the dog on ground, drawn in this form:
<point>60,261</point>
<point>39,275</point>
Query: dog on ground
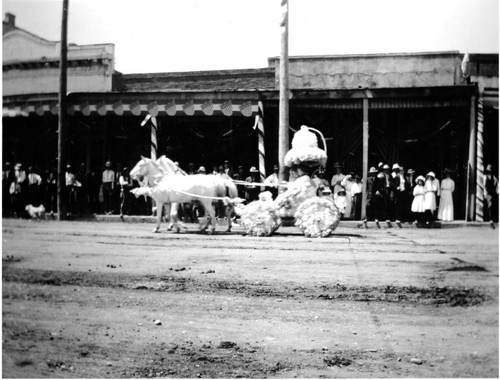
<point>37,213</point>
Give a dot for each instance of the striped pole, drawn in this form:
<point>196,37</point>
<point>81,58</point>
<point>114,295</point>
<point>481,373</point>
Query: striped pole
<point>154,143</point>
<point>479,164</point>
<point>262,149</point>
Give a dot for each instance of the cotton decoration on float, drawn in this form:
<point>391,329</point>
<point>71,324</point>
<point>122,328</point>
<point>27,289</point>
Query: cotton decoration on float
<point>305,150</point>
<point>317,217</point>
<point>259,218</point>
<point>298,191</point>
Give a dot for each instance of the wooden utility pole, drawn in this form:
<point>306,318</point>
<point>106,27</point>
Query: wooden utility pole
<point>283,134</point>
<point>62,126</point>
<point>365,158</point>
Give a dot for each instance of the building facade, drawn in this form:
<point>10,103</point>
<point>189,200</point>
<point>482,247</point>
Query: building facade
<point>422,109</point>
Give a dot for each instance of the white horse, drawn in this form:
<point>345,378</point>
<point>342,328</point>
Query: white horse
<point>175,189</point>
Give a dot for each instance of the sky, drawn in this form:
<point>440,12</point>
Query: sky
<point>197,35</point>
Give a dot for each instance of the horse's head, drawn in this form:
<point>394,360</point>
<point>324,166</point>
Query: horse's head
<point>141,169</point>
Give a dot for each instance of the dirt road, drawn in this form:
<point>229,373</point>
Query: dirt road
<point>107,300</point>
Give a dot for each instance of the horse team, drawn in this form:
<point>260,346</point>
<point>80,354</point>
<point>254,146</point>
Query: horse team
<point>167,185</point>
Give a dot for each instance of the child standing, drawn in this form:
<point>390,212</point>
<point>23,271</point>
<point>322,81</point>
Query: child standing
<point>417,206</point>
<point>341,202</point>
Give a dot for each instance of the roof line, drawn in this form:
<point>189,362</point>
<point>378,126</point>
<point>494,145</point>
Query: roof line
<point>371,55</point>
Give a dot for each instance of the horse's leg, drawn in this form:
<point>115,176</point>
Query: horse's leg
<point>210,211</point>
<point>159,212</point>
<point>168,211</point>
<point>174,216</point>
<point>229,211</point>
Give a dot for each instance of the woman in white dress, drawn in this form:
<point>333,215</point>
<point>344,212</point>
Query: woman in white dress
<point>417,206</point>
<point>445,211</point>
<point>432,191</point>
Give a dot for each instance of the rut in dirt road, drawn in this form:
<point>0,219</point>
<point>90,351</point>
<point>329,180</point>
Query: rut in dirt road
<point>446,296</point>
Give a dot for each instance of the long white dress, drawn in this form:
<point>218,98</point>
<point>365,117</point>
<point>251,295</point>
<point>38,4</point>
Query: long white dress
<point>431,190</point>
<point>445,211</point>
<point>418,199</point>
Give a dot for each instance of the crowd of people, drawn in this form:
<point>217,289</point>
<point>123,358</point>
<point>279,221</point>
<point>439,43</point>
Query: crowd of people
<point>393,194</point>
<point>101,191</point>
<point>86,192</point>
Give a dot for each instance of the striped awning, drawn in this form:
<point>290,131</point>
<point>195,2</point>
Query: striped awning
<point>173,107</point>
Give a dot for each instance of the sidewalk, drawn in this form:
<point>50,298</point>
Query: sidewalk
<point>343,223</point>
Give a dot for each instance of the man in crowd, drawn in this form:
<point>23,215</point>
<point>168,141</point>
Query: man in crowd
<point>108,184</point>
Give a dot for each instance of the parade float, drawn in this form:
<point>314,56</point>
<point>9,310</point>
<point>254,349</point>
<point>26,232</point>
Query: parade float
<point>314,215</point>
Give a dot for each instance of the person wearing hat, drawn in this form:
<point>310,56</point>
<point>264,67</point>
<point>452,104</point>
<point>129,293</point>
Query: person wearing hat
<point>398,186</point>
<point>370,180</point>
<point>34,187</point>
<point>108,185</point>
<point>202,170</point>
<point>252,191</point>
<point>356,192</point>
<point>126,185</point>
<point>7,179</point>
<point>418,204</point>
<point>409,185</point>
<point>70,181</point>
<point>445,210</point>
<point>321,182</point>
<point>337,178</point>
<point>382,192</point>
<point>432,192</point>
<point>273,181</point>
<point>490,187</point>
<point>228,170</point>
<point>340,200</point>
<point>18,190</point>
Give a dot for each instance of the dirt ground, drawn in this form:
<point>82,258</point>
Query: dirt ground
<point>114,300</point>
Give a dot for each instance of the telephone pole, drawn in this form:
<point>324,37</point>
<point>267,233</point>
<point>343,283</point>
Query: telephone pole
<point>283,134</point>
<point>62,125</point>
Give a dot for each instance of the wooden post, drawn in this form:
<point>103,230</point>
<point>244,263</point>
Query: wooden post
<point>62,125</point>
<point>471,166</point>
<point>365,159</point>
<point>283,136</point>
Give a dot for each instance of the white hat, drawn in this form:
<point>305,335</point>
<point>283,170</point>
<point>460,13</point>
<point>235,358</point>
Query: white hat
<point>385,166</point>
<point>395,166</point>
<point>253,169</point>
<point>372,170</point>
<point>108,164</point>
<point>202,169</point>
<point>489,168</point>
<point>431,174</point>
<point>420,177</point>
